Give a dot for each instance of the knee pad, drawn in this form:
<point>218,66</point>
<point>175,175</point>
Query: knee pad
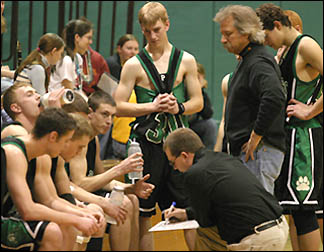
<point>305,221</point>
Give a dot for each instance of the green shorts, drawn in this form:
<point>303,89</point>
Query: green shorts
<point>18,234</point>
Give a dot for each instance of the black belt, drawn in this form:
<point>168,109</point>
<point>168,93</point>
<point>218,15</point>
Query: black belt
<point>259,228</point>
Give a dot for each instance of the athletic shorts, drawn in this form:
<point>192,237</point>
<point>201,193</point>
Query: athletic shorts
<point>19,234</point>
<point>168,182</point>
<point>299,185</point>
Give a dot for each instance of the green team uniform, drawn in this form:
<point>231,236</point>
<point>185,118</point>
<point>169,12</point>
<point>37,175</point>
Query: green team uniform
<point>16,233</point>
<point>298,186</point>
<point>151,131</point>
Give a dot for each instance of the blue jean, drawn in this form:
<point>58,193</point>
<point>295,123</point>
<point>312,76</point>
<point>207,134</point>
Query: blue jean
<point>119,149</point>
<point>266,165</point>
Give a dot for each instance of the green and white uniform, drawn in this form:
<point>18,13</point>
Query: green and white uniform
<point>16,233</point>
<point>151,131</point>
<point>298,186</point>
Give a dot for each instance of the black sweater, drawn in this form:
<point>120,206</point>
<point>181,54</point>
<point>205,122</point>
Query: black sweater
<point>256,100</point>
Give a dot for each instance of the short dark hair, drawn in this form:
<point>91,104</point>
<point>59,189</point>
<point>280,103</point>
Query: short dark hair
<point>53,119</point>
<point>268,13</point>
<point>183,139</point>
<point>100,97</point>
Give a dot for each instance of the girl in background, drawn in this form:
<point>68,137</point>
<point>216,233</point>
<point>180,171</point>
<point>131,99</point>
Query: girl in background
<point>37,65</point>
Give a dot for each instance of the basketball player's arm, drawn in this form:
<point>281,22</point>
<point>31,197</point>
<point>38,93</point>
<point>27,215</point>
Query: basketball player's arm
<point>78,173</point>
<point>46,194</point>
<point>130,164</point>
<point>196,101</point>
<point>220,134</point>
<point>312,55</point>
<point>22,197</point>
<point>62,181</point>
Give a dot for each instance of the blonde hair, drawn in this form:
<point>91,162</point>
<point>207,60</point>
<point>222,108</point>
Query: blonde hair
<point>294,19</point>
<point>151,12</point>
<point>83,127</point>
<point>246,21</point>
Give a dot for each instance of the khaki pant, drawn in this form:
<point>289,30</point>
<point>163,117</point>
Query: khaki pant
<point>271,239</point>
<point>208,239</point>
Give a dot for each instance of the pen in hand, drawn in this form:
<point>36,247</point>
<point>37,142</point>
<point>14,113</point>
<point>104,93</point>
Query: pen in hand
<point>167,221</point>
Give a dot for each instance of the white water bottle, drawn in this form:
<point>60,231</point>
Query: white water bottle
<point>116,198</point>
<point>134,148</point>
<point>68,97</point>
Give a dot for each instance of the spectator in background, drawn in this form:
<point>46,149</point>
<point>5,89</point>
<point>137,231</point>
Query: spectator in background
<point>68,72</point>
<point>37,65</point>
<point>94,65</point>
<point>127,47</point>
<point>7,75</point>
<point>202,122</point>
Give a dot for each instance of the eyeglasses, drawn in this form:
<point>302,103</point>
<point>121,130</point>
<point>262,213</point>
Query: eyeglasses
<point>171,163</point>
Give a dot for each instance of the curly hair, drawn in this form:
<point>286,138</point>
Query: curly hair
<point>268,13</point>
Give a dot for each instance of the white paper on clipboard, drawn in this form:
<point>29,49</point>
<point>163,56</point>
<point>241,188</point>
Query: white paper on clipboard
<point>107,83</point>
<point>192,224</point>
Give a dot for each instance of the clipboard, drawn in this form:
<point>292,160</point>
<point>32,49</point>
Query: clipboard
<point>161,226</point>
<point>107,83</point>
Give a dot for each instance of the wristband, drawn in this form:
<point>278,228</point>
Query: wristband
<point>181,108</point>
